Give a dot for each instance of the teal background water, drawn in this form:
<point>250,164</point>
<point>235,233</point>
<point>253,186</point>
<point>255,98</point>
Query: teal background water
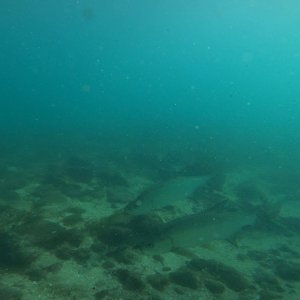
<point>222,72</point>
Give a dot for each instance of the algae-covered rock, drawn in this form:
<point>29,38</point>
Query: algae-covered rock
<point>158,281</point>
<point>101,294</point>
<point>116,236</point>
<point>214,287</point>
<point>129,280</point>
<point>289,271</point>
<point>108,264</point>
<point>80,255</point>
<point>50,235</point>
<point>268,281</point>
<point>226,274</point>
<point>11,255</point>
<point>184,277</point>
<point>269,295</point>
<point>72,219</point>
<point>8,293</point>
<point>122,255</point>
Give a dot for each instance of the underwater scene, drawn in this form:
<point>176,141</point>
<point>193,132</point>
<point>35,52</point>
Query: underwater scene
<point>150,150</point>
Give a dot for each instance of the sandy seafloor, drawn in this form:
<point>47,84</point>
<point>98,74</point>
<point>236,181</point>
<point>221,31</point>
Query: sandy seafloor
<point>53,205</point>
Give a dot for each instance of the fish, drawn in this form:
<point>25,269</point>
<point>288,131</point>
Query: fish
<point>218,223</point>
<point>165,194</point>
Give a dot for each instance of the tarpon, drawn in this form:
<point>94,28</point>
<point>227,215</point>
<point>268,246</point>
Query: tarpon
<point>165,194</point>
